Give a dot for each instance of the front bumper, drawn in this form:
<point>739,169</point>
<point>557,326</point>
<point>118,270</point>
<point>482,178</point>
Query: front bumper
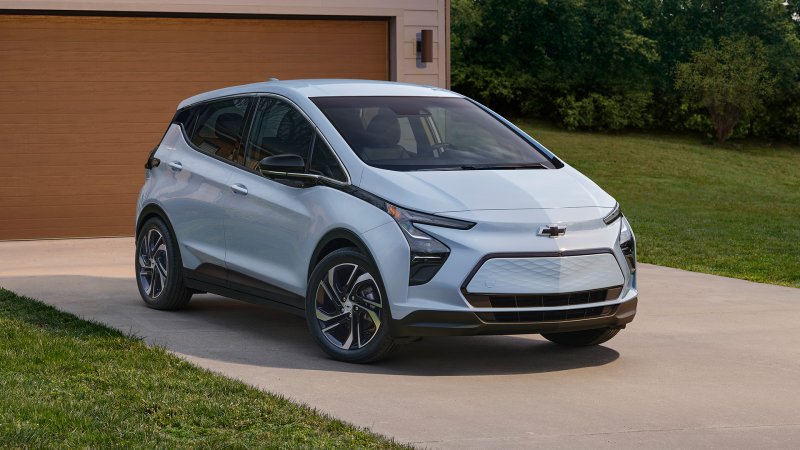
<point>518,267</point>
<point>467,323</point>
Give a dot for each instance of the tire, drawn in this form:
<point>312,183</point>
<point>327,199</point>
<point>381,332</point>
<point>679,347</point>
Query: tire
<point>159,270</point>
<point>347,310</point>
<point>583,338</point>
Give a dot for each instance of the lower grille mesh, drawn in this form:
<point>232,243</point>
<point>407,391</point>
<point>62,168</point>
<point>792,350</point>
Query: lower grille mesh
<point>548,316</point>
<point>501,301</point>
<point>542,300</point>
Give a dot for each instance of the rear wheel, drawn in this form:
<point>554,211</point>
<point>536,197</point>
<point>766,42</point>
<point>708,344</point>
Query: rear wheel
<point>159,268</point>
<point>583,338</point>
<point>346,308</point>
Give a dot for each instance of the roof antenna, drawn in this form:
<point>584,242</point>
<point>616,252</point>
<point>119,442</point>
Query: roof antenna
<point>274,79</point>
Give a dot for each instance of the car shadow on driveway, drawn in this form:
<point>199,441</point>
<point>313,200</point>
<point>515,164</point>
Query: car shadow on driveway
<point>230,331</point>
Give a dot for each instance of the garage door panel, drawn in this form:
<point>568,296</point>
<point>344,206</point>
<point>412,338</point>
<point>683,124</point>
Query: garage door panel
<point>67,36</point>
<point>140,110</point>
<point>67,211</point>
<point>213,79</point>
<point>190,28</point>
<point>87,121</point>
<point>55,137</point>
<point>26,201</point>
<point>46,169</point>
<point>109,230</point>
<point>227,64</point>
<point>100,226</point>
<point>75,160</point>
<point>70,51</point>
<point>83,100</point>
<point>39,193</point>
<point>64,87</point>
<point>80,183</point>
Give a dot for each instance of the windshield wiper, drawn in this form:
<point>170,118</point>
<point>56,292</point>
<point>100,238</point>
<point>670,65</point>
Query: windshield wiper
<point>505,166</point>
<point>483,167</point>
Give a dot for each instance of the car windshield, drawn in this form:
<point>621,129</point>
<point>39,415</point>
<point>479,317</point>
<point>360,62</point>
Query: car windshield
<point>429,133</point>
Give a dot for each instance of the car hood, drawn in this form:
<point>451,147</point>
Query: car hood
<point>474,190</point>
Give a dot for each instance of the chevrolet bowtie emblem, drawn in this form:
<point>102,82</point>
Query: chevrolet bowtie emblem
<point>552,231</point>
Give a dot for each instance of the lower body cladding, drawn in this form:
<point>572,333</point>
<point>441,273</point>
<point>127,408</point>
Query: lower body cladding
<point>504,279</point>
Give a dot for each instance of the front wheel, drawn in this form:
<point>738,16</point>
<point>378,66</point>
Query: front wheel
<point>346,308</point>
<point>583,338</point>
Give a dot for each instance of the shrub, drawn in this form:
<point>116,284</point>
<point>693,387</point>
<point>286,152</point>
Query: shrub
<point>599,112</point>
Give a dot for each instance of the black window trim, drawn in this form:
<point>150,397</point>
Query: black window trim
<point>317,132</point>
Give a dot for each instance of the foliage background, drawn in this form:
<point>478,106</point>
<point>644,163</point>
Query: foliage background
<point>612,64</point>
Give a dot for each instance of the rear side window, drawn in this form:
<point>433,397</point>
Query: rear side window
<point>324,162</point>
<point>219,125</point>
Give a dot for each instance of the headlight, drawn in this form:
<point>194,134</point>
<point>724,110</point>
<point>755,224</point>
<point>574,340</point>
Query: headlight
<point>615,214</point>
<point>427,254</point>
<point>627,242</point>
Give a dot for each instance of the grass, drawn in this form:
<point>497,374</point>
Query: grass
<point>721,210</point>
<point>66,382</point>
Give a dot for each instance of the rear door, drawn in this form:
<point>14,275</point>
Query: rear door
<point>197,174</point>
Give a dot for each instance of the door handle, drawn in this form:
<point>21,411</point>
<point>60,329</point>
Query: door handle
<point>239,188</point>
<point>175,166</point>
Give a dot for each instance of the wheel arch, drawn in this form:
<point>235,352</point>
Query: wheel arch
<point>153,210</point>
<point>334,240</point>
<point>149,211</point>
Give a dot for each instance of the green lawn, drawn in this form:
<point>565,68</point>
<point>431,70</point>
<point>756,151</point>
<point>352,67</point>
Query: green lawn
<point>727,211</point>
<point>65,382</point>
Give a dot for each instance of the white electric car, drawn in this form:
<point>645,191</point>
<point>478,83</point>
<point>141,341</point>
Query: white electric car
<point>380,211</point>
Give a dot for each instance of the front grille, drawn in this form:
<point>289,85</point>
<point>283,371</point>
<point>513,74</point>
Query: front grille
<point>542,300</point>
<point>519,274</point>
<point>501,301</point>
<point>548,316</point>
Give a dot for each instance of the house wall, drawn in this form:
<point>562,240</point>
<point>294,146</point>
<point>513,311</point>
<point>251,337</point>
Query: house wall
<point>408,17</point>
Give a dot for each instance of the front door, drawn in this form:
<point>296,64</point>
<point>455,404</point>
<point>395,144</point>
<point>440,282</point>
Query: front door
<point>266,221</point>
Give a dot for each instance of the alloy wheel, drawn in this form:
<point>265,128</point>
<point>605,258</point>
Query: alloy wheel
<point>152,258</point>
<point>348,306</point>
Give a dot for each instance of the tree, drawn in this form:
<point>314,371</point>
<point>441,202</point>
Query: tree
<point>612,64</point>
<point>529,56</point>
<point>729,80</point>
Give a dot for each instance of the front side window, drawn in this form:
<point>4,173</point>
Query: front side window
<point>219,125</point>
<point>324,162</point>
<point>278,129</point>
<point>428,133</point>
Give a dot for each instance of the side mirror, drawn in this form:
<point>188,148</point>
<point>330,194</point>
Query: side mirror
<point>282,165</point>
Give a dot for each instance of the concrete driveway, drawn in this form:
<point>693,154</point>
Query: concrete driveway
<point>709,361</point>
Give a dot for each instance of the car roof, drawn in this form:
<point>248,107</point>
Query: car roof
<point>325,88</point>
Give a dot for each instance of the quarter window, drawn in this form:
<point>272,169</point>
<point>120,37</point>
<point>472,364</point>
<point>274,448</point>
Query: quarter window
<point>219,126</point>
<point>278,129</point>
<point>184,118</point>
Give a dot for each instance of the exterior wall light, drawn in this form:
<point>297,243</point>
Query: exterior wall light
<point>425,46</point>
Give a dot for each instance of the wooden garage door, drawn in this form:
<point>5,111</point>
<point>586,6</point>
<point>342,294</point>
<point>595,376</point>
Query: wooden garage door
<point>83,100</point>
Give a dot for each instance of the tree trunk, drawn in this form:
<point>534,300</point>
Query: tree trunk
<point>725,119</point>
